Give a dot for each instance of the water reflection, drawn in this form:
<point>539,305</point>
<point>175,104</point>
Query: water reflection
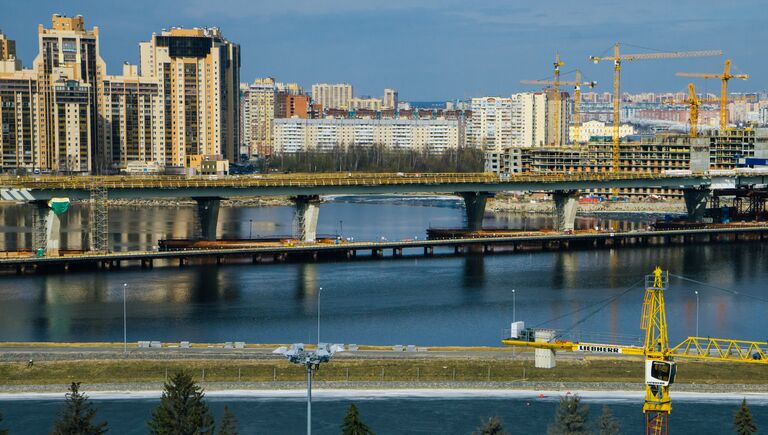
<point>474,270</point>
<point>427,301</point>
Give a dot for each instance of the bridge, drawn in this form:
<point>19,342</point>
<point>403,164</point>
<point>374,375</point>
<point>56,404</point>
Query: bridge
<point>306,189</point>
<point>349,250</point>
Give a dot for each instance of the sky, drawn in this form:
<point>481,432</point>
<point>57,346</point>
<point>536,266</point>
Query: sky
<point>433,50</point>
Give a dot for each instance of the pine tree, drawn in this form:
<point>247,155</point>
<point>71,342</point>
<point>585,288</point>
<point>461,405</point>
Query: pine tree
<point>182,410</point>
<point>352,424</point>
<point>2,431</point>
<point>608,424</point>
<point>570,417</point>
<point>228,424</point>
<point>76,418</point>
<point>491,426</point>
<point>742,420</point>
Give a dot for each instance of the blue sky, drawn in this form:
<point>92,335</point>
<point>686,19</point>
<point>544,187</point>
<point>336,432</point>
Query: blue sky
<point>432,49</point>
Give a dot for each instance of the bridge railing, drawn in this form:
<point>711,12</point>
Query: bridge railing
<point>309,180</point>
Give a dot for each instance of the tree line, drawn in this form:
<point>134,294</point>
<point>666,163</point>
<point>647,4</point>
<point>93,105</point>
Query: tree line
<point>375,158</point>
<point>183,411</point>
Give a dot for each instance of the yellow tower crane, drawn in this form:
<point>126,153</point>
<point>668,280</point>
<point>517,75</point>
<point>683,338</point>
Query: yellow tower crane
<point>724,77</point>
<point>558,101</point>
<point>694,102</point>
<point>660,368</point>
<point>617,59</point>
<point>577,84</point>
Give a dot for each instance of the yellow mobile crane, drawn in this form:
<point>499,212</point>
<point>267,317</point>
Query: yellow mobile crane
<point>617,58</point>
<point>577,84</point>
<point>724,77</point>
<point>660,367</point>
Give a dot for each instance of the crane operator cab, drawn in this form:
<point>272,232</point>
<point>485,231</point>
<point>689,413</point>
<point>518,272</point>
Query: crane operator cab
<point>660,373</point>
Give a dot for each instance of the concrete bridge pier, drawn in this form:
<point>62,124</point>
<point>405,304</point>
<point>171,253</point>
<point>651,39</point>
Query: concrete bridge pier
<point>47,225</point>
<point>305,220</point>
<point>696,203</point>
<point>208,214</point>
<point>474,204</point>
<point>566,202</point>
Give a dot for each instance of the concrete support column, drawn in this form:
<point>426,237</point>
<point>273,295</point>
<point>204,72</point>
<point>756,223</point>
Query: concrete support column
<point>52,234</point>
<point>305,220</point>
<point>566,202</point>
<point>696,203</point>
<point>47,222</point>
<point>474,204</point>
<point>544,358</point>
<point>208,214</point>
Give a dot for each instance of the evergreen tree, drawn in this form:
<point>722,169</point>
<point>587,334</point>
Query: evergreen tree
<point>2,431</point>
<point>228,424</point>
<point>352,424</point>
<point>570,417</point>
<point>182,410</point>
<point>608,424</point>
<point>491,426</point>
<point>742,421</point>
<point>76,418</point>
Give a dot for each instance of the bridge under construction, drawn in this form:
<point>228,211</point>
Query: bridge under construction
<point>53,194</point>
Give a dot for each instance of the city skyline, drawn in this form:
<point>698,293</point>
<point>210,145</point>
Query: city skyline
<point>456,53</point>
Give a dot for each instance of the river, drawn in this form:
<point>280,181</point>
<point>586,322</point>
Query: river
<point>445,300</point>
<point>388,413</point>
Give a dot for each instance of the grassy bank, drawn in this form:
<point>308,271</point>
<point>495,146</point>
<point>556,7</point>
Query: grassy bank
<point>348,369</point>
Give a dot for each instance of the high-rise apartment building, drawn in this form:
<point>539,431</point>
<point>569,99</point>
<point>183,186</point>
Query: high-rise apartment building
<point>69,53</point>
<point>199,75</point>
<point>490,127</point>
<point>390,99</point>
<point>7,47</point>
<point>365,104</point>
<point>293,106</point>
<point>529,110</point>
<point>558,117</point>
<point>67,115</point>
<point>260,107</point>
<point>289,88</point>
<point>332,96</point>
<point>133,119</point>
<point>432,136</point>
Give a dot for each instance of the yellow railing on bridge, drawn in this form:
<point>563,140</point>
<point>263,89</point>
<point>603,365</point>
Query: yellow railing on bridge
<point>304,180</point>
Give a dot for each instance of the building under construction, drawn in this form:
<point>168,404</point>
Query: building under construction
<point>646,154</point>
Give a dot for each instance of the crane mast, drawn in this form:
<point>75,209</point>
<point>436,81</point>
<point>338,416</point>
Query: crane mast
<point>660,368</point>
<point>557,128</point>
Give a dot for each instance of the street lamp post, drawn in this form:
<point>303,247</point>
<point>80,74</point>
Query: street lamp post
<point>311,360</point>
<point>513,305</point>
<point>125,321</point>
<point>319,292</point>
<point>697,312</point>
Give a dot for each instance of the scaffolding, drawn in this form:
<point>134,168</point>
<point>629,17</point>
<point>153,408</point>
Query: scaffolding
<point>39,236</point>
<point>99,219</point>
